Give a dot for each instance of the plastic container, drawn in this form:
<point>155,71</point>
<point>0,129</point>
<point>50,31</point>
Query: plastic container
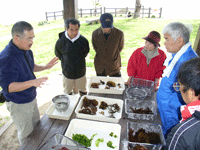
<point>59,141</point>
<point>53,113</point>
<point>118,89</point>
<point>136,93</point>
<point>148,127</point>
<point>143,84</point>
<point>99,116</point>
<point>101,129</point>
<point>140,104</point>
<point>61,102</point>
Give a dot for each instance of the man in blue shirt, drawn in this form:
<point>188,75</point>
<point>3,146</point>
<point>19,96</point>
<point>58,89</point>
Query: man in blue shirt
<point>18,80</point>
<point>177,43</point>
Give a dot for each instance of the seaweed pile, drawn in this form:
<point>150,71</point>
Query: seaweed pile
<point>108,85</point>
<point>89,106</point>
<point>142,136</point>
<point>141,110</point>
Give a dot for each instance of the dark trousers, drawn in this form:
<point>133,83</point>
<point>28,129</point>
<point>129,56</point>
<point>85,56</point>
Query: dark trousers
<point>104,74</point>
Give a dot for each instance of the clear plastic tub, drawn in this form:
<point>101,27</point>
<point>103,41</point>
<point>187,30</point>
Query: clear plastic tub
<point>59,141</point>
<point>136,93</point>
<point>148,127</point>
<point>140,104</point>
<point>143,84</point>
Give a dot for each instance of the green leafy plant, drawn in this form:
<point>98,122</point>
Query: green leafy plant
<point>110,144</point>
<point>41,23</point>
<point>83,139</point>
<point>99,140</point>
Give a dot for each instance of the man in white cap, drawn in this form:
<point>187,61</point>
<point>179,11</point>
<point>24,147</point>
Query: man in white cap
<point>108,42</point>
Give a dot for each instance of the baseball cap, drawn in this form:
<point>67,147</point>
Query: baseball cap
<point>106,20</point>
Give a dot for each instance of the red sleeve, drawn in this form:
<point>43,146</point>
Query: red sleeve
<point>131,68</point>
<point>161,67</point>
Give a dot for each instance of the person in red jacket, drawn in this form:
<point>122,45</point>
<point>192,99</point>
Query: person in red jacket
<point>147,62</point>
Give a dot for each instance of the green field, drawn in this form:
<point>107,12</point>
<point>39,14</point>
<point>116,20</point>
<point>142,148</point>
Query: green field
<point>134,30</point>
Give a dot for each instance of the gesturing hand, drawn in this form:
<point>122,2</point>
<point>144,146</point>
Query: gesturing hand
<point>40,81</point>
<point>51,63</point>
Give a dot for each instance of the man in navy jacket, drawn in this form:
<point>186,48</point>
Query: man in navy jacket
<point>18,81</point>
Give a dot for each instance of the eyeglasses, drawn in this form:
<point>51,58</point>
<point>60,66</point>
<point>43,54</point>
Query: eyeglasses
<point>176,86</point>
<point>29,39</point>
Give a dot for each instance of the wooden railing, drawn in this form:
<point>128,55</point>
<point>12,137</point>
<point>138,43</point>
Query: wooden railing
<point>53,14</point>
<point>90,12</point>
<point>145,12</point>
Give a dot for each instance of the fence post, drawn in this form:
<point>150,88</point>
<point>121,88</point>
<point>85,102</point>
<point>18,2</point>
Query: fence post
<point>101,11</point>
<point>54,15</point>
<point>160,12</point>
<point>46,16</point>
<point>104,9</point>
<point>149,12</point>
<point>115,12</point>
<point>81,13</point>
<point>63,13</point>
<point>95,11</point>
<point>91,12</point>
<point>142,11</point>
<point>126,11</point>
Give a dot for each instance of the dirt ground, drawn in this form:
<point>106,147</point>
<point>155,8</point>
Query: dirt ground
<point>53,87</point>
<point>9,139</point>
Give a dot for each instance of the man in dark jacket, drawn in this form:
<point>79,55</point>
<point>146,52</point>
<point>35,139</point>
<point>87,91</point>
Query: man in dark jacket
<point>18,80</point>
<point>72,48</point>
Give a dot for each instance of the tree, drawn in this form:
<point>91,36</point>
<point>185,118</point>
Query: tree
<point>96,4</point>
<point>137,9</point>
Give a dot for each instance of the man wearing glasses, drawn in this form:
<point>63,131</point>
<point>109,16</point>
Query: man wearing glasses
<point>186,134</point>
<point>177,43</point>
<point>18,80</point>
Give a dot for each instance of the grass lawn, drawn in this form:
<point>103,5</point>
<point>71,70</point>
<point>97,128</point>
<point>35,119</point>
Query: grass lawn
<point>134,30</point>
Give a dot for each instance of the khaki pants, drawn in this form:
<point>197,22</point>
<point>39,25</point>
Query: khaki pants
<point>24,116</point>
<point>68,84</point>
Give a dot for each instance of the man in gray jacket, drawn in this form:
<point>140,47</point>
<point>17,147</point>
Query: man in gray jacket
<point>108,42</point>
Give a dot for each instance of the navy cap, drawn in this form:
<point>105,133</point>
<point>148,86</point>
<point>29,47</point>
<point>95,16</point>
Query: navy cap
<point>106,20</point>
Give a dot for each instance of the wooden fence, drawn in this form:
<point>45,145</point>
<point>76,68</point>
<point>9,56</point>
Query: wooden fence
<point>144,13</point>
<point>53,15</point>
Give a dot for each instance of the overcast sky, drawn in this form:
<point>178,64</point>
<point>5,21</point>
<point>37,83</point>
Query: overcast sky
<point>15,10</point>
